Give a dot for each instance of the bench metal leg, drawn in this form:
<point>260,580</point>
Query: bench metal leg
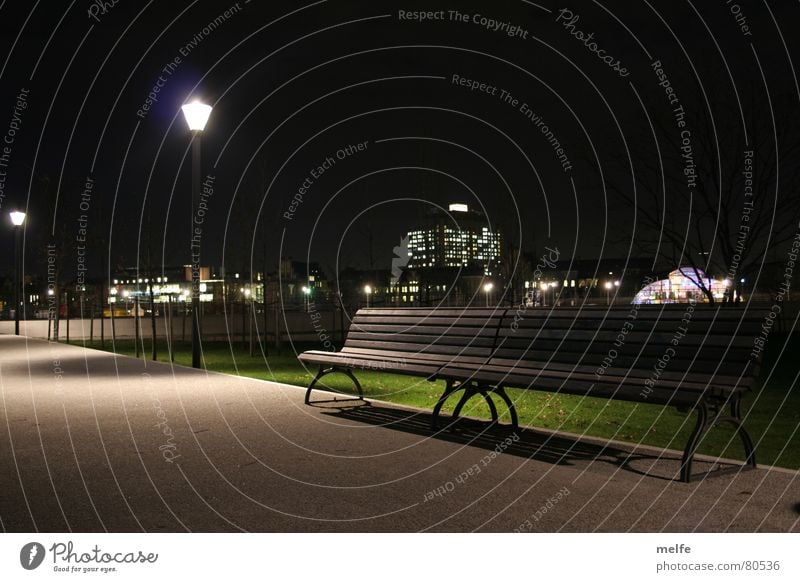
<point>500,391</point>
<point>708,416</point>
<point>450,387</point>
<point>323,371</point>
<point>471,390</point>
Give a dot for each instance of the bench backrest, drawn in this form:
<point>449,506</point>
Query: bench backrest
<point>441,331</point>
<point>664,341</point>
<point>675,341</point>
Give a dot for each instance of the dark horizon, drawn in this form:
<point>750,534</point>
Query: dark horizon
<point>510,110</point>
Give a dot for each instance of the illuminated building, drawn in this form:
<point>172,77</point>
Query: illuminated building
<point>681,286</point>
<point>460,238</point>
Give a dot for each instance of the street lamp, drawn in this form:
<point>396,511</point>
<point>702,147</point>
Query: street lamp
<point>487,289</point>
<point>307,298</point>
<point>17,219</point>
<point>608,292</point>
<point>367,292</point>
<point>196,115</point>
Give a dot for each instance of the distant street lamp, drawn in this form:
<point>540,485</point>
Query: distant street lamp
<point>17,219</point>
<point>196,115</point>
<point>487,289</point>
<point>608,292</point>
<point>307,298</point>
<point>553,286</point>
<point>367,292</point>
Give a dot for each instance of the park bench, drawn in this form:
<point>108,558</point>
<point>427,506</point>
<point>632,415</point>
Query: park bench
<point>694,357</point>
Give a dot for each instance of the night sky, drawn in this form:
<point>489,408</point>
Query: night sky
<point>439,106</point>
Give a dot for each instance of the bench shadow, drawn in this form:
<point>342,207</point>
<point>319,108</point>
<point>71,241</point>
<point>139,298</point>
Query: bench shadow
<point>556,449</point>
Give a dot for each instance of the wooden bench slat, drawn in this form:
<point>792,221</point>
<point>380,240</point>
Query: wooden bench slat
<point>694,382</point>
<point>643,313</point>
<point>661,327</point>
<point>443,358</point>
<point>626,390</point>
<point>423,340</point>
<point>444,321</point>
<point>366,364</point>
<point>426,329</point>
<point>632,372</point>
<point>426,311</point>
<point>608,337</point>
<point>422,348</point>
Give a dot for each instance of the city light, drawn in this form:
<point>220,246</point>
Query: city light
<point>487,288</point>
<point>196,114</point>
<point>367,292</point>
<point>17,218</point>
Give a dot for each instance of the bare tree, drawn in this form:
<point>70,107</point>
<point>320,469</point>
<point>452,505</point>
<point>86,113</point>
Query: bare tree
<point>717,194</point>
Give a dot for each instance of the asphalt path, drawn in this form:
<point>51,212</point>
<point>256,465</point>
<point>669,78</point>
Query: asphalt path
<point>92,441</point>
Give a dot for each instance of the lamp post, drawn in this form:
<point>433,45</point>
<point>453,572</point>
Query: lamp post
<point>307,298</point>
<point>553,285</point>
<point>608,292</point>
<point>17,219</point>
<point>367,292</point>
<point>196,115</point>
<point>487,289</point>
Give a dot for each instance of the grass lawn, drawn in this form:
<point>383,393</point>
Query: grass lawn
<point>772,411</point>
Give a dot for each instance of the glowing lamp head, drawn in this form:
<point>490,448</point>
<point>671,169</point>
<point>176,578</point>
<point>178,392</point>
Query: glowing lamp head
<point>196,115</point>
<point>488,287</point>
<point>17,218</point>
<point>306,290</point>
<point>367,289</point>
<point>608,284</point>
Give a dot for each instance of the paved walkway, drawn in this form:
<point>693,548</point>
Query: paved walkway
<point>90,441</point>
